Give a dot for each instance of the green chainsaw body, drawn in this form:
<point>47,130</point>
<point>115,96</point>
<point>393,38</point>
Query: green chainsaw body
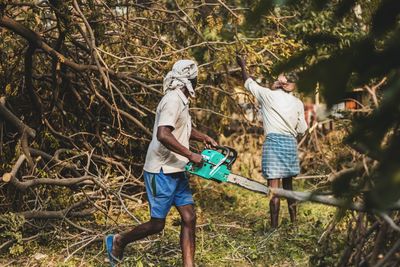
<point>216,164</point>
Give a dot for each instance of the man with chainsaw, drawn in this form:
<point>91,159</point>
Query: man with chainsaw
<point>283,120</point>
<point>165,180</point>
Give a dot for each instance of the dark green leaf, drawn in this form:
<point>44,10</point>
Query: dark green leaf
<point>293,62</point>
<point>321,38</point>
<point>319,4</point>
<point>385,17</point>
<point>344,7</point>
<point>261,8</point>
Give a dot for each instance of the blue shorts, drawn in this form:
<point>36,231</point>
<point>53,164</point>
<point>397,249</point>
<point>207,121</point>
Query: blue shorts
<point>165,190</point>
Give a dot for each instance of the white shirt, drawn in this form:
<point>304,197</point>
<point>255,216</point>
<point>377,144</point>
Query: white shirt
<point>173,110</point>
<point>281,111</point>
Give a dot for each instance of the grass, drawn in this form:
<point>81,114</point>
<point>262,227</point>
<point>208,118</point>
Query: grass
<point>233,230</point>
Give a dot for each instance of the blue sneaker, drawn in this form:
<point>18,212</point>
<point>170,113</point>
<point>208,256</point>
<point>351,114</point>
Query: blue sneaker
<point>109,246</point>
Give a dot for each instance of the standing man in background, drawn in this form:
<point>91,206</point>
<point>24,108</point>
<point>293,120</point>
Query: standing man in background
<point>283,120</point>
<point>164,171</point>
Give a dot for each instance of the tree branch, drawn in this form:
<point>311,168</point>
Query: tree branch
<point>29,83</point>
<point>59,214</point>
<point>11,177</point>
<point>8,115</point>
<point>36,40</point>
<point>324,199</point>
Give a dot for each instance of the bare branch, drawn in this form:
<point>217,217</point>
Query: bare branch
<point>324,199</point>
<point>389,220</point>
<point>8,115</point>
<point>35,39</point>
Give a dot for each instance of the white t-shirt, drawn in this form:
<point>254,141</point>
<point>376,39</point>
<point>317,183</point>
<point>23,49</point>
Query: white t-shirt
<point>282,112</point>
<point>173,110</point>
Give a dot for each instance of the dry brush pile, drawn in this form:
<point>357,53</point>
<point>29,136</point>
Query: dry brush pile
<point>80,81</point>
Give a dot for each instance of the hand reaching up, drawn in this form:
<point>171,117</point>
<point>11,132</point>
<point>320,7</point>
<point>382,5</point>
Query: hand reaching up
<point>240,61</point>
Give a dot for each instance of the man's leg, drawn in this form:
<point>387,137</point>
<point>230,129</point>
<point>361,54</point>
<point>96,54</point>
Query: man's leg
<point>188,234</point>
<point>287,184</point>
<point>141,231</point>
<point>160,194</point>
<point>185,206</point>
<point>274,203</point>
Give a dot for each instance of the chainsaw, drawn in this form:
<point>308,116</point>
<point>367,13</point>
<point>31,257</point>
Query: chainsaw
<point>216,166</point>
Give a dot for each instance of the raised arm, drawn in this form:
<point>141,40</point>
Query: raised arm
<point>258,91</point>
<point>242,64</point>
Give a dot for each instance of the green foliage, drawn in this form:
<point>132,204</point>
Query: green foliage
<point>385,18</point>
<point>11,226</point>
<point>366,57</point>
<point>258,10</point>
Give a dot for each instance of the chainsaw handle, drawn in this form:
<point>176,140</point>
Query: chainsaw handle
<point>234,156</point>
<point>229,152</point>
<point>223,148</point>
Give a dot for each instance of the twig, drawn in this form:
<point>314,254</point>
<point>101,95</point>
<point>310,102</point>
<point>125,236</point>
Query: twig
<point>389,220</point>
<point>311,177</point>
<point>95,238</point>
<point>228,8</point>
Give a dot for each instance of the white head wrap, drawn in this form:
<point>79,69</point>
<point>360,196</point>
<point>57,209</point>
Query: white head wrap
<point>179,76</point>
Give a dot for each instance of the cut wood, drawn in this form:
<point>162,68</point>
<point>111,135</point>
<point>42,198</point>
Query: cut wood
<point>6,177</point>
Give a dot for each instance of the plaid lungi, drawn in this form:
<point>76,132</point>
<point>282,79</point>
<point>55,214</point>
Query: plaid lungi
<point>279,157</point>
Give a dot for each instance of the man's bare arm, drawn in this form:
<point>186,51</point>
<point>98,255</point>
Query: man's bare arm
<point>242,64</point>
<point>165,136</point>
<point>198,136</point>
